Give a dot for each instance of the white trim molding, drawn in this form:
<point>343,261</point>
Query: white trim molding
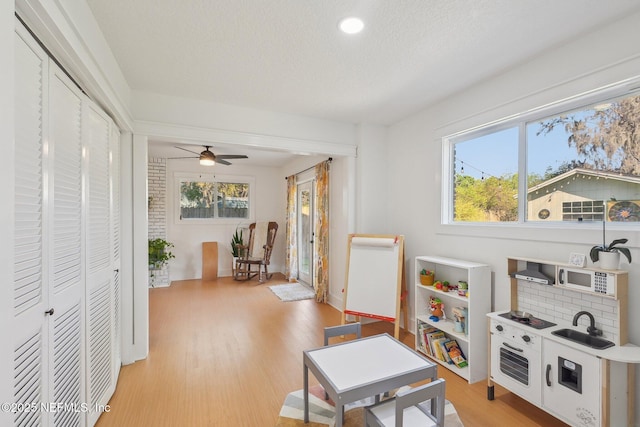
<point>165,131</point>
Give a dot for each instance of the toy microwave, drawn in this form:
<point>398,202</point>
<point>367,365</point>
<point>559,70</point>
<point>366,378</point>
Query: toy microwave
<point>599,282</point>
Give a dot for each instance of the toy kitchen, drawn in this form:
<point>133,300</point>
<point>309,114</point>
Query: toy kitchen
<point>563,346</point>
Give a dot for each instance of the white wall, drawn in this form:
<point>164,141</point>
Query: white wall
<point>163,117</point>
<point>69,30</point>
<point>373,202</point>
<point>234,124</point>
<point>270,199</point>
<point>342,199</point>
<point>415,170</point>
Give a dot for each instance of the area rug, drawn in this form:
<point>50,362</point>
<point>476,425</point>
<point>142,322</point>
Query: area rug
<point>322,413</point>
<point>292,291</point>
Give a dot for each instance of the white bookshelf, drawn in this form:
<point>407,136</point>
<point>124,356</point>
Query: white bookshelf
<point>473,343</point>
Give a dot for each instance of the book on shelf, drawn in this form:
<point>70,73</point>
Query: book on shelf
<point>431,338</point>
<point>424,341</point>
<point>420,336</point>
<point>438,345</point>
<point>443,353</point>
<point>455,354</point>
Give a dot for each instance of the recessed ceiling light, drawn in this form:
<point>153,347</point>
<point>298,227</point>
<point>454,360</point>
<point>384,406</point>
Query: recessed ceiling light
<point>351,25</point>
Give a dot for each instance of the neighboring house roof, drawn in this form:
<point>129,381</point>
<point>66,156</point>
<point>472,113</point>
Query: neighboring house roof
<point>590,172</point>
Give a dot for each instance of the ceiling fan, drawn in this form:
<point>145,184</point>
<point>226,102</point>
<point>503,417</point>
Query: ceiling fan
<point>207,158</point>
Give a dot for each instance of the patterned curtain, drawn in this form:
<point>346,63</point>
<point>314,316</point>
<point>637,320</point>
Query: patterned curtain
<point>321,237</point>
<point>291,262</point>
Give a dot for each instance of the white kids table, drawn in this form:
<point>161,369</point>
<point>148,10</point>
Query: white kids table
<point>362,368</point>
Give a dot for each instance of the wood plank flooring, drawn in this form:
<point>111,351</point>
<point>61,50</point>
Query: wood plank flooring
<point>226,353</point>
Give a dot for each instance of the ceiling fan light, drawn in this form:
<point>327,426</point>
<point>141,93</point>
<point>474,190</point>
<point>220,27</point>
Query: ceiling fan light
<point>207,158</point>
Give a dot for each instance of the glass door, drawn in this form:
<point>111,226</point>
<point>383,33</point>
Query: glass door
<point>305,232</point>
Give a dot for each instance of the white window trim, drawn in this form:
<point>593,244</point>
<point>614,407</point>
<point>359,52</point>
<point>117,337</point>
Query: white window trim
<point>520,120</point>
<point>205,177</point>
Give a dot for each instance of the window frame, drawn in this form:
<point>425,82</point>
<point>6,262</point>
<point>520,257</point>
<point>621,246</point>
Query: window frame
<point>179,177</point>
<point>521,120</point>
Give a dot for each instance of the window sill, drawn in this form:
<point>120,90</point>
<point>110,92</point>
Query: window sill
<point>557,232</point>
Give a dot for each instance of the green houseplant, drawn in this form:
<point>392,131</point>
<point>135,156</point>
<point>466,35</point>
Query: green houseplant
<point>611,247</point>
<point>236,242</point>
<point>236,246</point>
<point>597,251</point>
<point>159,253</point>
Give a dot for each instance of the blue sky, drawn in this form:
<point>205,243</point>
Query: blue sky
<point>496,154</point>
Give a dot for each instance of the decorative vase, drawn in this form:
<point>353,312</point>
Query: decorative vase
<point>609,260</point>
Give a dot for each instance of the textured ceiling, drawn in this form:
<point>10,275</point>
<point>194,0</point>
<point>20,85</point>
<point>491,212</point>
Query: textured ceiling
<point>288,56</point>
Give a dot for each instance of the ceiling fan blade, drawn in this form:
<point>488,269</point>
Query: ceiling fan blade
<point>180,148</point>
<point>231,156</point>
<point>221,161</point>
<point>191,157</point>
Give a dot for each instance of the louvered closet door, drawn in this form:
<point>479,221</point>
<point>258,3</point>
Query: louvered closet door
<point>99,289</point>
<point>114,157</point>
<point>66,254</point>
<point>29,296</point>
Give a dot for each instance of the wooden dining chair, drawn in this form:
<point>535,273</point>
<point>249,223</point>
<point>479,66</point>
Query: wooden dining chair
<point>410,408</point>
<point>257,252</point>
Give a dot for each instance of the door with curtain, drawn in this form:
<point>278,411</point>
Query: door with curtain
<point>306,226</point>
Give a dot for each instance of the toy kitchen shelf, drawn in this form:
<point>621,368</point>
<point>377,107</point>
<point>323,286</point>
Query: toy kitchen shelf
<point>555,271</point>
<point>472,342</point>
<point>546,288</point>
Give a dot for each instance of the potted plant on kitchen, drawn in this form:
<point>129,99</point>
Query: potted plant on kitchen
<point>609,255</point>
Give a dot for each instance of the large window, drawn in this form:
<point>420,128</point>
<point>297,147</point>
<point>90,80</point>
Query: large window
<point>486,177</point>
<point>580,164</point>
<point>213,198</point>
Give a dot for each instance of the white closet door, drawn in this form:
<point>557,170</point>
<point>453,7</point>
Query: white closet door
<point>99,289</point>
<point>114,156</point>
<point>66,273</point>
<point>29,296</point>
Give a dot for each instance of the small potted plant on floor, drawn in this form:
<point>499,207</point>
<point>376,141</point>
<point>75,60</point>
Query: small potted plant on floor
<point>609,255</point>
<point>159,253</point>
<point>236,246</point>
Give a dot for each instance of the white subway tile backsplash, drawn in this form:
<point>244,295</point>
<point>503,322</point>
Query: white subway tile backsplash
<point>556,304</point>
<point>605,322</point>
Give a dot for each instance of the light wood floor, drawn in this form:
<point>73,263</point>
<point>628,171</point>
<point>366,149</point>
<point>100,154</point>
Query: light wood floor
<point>226,353</point>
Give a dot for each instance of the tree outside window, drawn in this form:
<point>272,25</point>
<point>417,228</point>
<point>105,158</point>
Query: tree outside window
<point>582,165</point>
<point>201,199</point>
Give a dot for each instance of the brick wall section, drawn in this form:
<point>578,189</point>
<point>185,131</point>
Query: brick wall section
<point>157,189</point>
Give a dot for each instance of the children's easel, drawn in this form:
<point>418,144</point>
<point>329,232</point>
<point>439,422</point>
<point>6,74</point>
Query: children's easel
<point>375,284</point>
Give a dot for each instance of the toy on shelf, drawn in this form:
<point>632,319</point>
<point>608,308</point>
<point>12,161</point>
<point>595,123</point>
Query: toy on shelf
<point>426,277</point>
<point>436,307</point>
<point>460,314</point>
